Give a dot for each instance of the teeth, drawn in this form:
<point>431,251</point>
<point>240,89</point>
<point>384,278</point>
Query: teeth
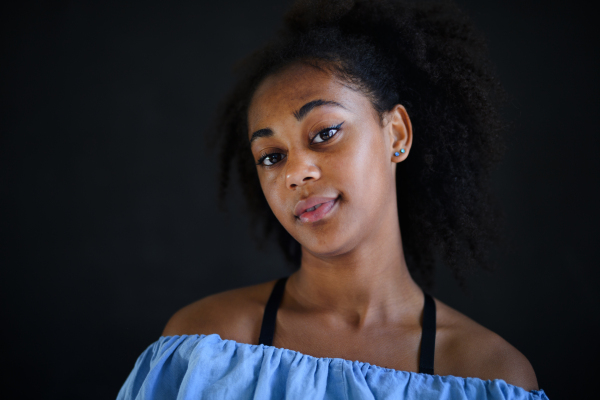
<point>313,208</point>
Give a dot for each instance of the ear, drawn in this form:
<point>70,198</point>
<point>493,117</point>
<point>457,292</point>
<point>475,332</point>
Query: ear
<point>399,130</point>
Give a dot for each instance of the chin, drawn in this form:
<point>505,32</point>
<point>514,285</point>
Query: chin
<point>330,244</point>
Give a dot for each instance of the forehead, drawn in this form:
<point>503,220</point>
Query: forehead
<point>284,92</point>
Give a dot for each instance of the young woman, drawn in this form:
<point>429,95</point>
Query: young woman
<point>363,135</point>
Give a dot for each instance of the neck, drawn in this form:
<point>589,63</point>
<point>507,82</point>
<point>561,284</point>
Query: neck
<point>366,286</point>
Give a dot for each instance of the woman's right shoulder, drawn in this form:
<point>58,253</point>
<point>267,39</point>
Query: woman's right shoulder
<point>234,314</point>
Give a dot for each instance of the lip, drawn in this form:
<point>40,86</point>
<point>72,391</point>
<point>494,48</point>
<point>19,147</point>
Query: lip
<point>327,204</point>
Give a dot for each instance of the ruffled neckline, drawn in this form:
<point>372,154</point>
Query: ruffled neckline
<point>216,338</point>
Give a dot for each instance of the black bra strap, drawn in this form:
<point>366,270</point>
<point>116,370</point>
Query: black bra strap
<point>267,330</point>
<point>428,336</point>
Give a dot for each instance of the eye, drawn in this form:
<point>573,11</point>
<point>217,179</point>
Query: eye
<point>270,159</point>
<point>326,134</point>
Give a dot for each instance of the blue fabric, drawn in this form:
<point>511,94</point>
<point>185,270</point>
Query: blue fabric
<point>208,367</point>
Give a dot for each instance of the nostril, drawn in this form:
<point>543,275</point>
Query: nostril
<point>299,175</point>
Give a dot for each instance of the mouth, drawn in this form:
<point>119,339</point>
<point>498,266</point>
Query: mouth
<point>318,211</point>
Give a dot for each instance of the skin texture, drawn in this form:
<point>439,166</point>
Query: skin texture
<point>353,296</point>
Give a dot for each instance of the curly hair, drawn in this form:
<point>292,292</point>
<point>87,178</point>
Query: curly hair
<point>427,57</point>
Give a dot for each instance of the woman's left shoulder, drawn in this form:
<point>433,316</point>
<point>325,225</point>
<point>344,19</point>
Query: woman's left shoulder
<point>467,349</point>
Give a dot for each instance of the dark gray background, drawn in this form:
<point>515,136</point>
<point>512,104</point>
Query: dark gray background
<point>108,192</point>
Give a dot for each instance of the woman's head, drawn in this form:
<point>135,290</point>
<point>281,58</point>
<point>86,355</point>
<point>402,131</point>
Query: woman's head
<point>424,57</point>
<point>319,142</point>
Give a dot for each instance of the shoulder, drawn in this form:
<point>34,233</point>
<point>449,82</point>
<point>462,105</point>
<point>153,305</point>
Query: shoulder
<point>234,314</point>
<point>465,348</point>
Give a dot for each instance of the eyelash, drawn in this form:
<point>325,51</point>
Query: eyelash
<point>336,127</point>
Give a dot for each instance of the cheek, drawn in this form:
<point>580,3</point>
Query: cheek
<point>272,190</point>
<point>366,170</point>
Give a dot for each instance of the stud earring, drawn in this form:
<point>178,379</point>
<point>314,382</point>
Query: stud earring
<point>401,151</point>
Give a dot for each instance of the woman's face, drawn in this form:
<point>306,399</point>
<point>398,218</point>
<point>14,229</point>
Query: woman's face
<point>318,142</point>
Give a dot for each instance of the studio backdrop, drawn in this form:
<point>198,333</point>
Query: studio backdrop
<point>108,189</point>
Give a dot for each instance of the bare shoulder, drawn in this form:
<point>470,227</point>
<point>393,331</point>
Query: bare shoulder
<point>234,314</point>
<point>467,349</point>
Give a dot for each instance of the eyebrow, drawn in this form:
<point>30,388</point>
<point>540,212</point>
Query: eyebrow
<point>299,114</point>
<point>308,107</point>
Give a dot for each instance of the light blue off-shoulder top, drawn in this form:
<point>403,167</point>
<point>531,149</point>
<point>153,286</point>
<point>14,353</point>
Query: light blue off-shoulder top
<point>207,367</point>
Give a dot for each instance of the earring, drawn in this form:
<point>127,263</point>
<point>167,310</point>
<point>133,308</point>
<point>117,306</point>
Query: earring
<point>401,151</point>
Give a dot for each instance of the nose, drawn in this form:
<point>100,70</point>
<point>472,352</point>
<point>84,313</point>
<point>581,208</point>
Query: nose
<point>299,171</point>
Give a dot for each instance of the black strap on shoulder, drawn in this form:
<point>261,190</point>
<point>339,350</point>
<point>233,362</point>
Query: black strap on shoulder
<point>267,330</point>
<point>428,336</point>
